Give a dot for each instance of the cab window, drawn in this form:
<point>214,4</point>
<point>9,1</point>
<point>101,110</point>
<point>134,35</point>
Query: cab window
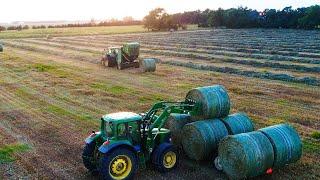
<point>121,130</point>
<point>109,129</point>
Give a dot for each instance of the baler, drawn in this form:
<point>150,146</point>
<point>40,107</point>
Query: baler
<point>126,56</point>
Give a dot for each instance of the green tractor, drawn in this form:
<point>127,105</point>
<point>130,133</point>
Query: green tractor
<point>126,56</point>
<point>127,141</point>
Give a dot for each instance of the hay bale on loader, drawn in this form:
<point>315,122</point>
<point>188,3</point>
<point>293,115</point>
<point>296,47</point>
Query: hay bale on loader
<point>213,101</point>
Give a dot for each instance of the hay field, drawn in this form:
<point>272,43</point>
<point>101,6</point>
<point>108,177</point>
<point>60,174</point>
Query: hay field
<point>52,92</point>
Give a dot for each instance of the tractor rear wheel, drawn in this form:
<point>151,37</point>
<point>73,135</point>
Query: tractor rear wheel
<point>111,61</point>
<point>165,157</point>
<point>89,156</point>
<point>121,163</point>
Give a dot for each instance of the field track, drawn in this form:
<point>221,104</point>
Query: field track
<point>52,92</point>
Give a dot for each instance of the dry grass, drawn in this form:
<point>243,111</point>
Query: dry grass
<point>52,96</point>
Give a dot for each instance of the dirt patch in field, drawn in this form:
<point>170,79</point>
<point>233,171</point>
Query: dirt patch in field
<point>13,115</point>
<point>54,152</point>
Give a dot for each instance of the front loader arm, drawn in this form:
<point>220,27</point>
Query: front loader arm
<point>167,108</point>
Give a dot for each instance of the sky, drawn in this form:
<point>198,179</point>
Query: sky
<point>48,10</point>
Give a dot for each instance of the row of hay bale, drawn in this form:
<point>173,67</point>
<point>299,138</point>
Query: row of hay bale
<point>213,131</point>
<point>255,153</point>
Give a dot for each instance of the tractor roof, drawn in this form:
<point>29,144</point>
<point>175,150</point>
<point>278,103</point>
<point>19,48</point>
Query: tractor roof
<point>122,117</point>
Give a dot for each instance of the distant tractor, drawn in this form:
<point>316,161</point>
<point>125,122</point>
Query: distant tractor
<point>126,56</point>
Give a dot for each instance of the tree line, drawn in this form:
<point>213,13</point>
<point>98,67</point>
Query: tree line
<point>300,18</point>
<point>113,22</point>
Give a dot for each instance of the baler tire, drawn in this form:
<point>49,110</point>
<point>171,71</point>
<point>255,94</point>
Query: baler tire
<point>109,159</point>
<point>159,156</point>
<point>88,156</point>
<point>111,62</point>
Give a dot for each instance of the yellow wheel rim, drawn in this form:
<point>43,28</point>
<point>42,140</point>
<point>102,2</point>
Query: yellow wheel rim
<point>120,167</point>
<point>169,159</point>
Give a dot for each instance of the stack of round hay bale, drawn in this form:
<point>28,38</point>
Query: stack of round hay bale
<point>210,132</point>
<point>200,133</point>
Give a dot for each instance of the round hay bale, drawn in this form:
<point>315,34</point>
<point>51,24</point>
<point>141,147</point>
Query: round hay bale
<point>212,101</point>
<point>175,124</point>
<point>286,144</point>
<point>201,138</point>
<point>245,155</point>
<point>148,65</point>
<point>238,123</point>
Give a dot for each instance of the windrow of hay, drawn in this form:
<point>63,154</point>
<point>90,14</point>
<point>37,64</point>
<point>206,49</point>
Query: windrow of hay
<point>264,75</point>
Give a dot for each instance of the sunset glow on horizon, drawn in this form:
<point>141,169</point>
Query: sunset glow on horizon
<point>37,10</point>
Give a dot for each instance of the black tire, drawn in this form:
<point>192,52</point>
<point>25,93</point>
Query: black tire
<point>111,61</point>
<point>159,154</point>
<point>109,159</point>
<point>103,61</point>
<point>137,65</point>
<point>88,156</point>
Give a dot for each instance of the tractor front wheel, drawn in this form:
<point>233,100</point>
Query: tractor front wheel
<point>165,157</point>
<point>89,156</point>
<point>118,164</point>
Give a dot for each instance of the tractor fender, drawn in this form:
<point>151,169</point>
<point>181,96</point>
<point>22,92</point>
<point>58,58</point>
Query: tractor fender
<point>92,138</point>
<point>108,148</point>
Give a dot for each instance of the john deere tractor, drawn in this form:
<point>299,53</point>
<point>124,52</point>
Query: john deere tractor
<point>127,141</point>
<point>126,56</point>
<point>122,57</point>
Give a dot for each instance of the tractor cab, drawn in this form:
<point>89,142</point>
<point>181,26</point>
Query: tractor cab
<point>121,126</point>
<point>113,50</point>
